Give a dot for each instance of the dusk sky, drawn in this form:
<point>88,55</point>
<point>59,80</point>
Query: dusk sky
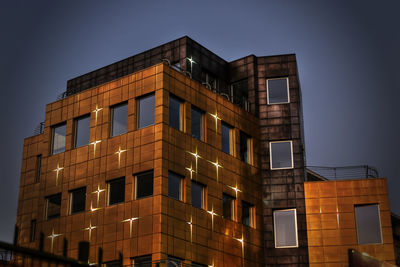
<point>348,55</point>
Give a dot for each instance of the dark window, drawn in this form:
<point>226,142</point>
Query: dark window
<point>142,261</point>
<point>58,138</point>
<point>278,91</point>
<point>240,93</point>
<point>53,206</point>
<point>78,200</point>
<point>175,182</point>
<point>368,224</point>
<point>197,123</point>
<point>285,228</point>
<point>245,147</point>
<point>209,80</point>
<point>38,167</point>
<point>116,191</point>
<point>82,130</point>
<point>197,195</point>
<point>119,119</point>
<point>144,184</point>
<point>175,112</point>
<point>174,262</point>
<point>32,234</point>
<point>228,206</point>
<point>146,105</point>
<point>226,138</point>
<point>281,156</point>
<point>247,214</point>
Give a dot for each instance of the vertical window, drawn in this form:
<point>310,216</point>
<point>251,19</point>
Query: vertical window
<point>285,228</point>
<point>116,191</point>
<point>247,214</point>
<point>82,130</point>
<point>226,138</point>
<point>281,155</point>
<point>175,112</point>
<point>228,206</point>
<point>58,138</point>
<point>146,106</point>
<point>119,119</point>
<point>198,195</point>
<point>53,206</point>
<point>38,167</point>
<point>368,224</point>
<point>32,234</point>
<point>245,147</point>
<point>144,184</point>
<point>240,93</point>
<point>142,261</point>
<point>175,186</point>
<point>77,200</point>
<point>197,123</point>
<point>278,91</point>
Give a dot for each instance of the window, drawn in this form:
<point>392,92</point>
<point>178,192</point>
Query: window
<point>228,206</point>
<point>278,91</point>
<point>197,123</point>
<point>146,105</point>
<point>175,186</point>
<point>142,261</point>
<point>175,112</point>
<point>285,228</point>
<point>240,93</point>
<point>198,195</point>
<point>368,224</point>
<point>58,138</point>
<point>281,156</point>
<point>245,147</point>
<point>247,214</point>
<point>53,206</point>
<point>119,119</point>
<point>144,184</point>
<point>38,167</point>
<point>77,200</point>
<point>82,130</point>
<point>32,235</point>
<point>226,138</point>
<point>174,262</point>
<point>116,191</point>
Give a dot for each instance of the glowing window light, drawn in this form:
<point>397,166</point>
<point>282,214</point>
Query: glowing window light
<point>130,220</point>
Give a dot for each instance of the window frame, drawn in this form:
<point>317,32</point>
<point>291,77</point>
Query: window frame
<point>291,154</point>
<point>137,187</point>
<point>47,207</point>
<point>138,100</point>
<point>180,112</point>
<point>251,214</point>
<point>76,129</point>
<point>287,88</point>
<point>231,141</point>
<point>71,200</point>
<point>233,204</point>
<point>296,228</point>
<point>112,108</point>
<point>109,183</point>
<point>38,168</point>
<point>53,129</point>
<point>32,230</point>
<point>357,223</point>
<point>249,150</point>
<point>202,195</point>
<point>181,185</point>
<point>202,122</point>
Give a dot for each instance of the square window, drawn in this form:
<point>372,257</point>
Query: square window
<point>32,234</point>
<point>245,147</point>
<point>142,261</point>
<point>175,186</point>
<point>38,167</point>
<point>77,200</point>
<point>119,119</point>
<point>247,214</point>
<point>116,191</point>
<point>58,138</point>
<point>53,206</point>
<point>175,112</point>
<point>281,155</point>
<point>368,224</point>
<point>82,131</point>
<point>198,195</point>
<point>144,185</point>
<point>285,228</point>
<point>146,106</point>
<point>228,207</point>
<point>226,138</point>
<point>197,123</point>
<point>278,91</point>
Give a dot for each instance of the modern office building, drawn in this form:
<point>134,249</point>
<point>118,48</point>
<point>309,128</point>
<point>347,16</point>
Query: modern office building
<point>177,155</point>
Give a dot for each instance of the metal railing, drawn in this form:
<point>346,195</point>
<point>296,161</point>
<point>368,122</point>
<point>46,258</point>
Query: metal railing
<point>345,172</point>
<point>39,128</point>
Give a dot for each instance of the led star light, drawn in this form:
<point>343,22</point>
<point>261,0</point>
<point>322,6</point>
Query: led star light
<point>94,146</point>
<point>52,236</point>
<point>215,116</point>
<point>57,170</point>
<point>98,191</point>
<point>96,111</point>
<point>90,228</point>
<point>119,152</point>
<point>130,224</point>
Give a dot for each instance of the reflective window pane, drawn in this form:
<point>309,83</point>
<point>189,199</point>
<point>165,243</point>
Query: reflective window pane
<point>53,206</point>
<point>368,224</point>
<point>197,195</point>
<point>144,184</point>
<point>78,200</point>
<point>244,147</point>
<point>146,107</point>
<point>197,123</point>
<point>58,139</point>
<point>116,191</point>
<point>82,131</point>
<point>247,213</point>
<point>119,119</point>
<point>175,186</point>
<point>226,132</point>
<point>228,206</point>
<point>175,112</point>
<point>281,155</point>
<point>277,91</point>
<point>285,226</point>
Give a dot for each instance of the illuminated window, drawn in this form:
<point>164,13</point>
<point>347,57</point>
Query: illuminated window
<point>228,206</point>
<point>58,138</point>
<point>198,195</point>
<point>197,123</point>
<point>38,167</point>
<point>119,119</point>
<point>285,228</point>
<point>82,130</point>
<point>226,138</point>
<point>32,234</point>
<point>368,224</point>
<point>77,200</point>
<point>245,147</point>
<point>175,112</point>
<point>116,191</point>
<point>144,184</point>
<point>278,91</point>
<point>281,155</point>
<point>175,186</point>
<point>247,214</point>
<point>146,106</point>
<point>53,206</point>
<point>142,261</point>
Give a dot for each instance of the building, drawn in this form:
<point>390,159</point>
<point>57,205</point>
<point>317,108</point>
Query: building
<point>174,154</point>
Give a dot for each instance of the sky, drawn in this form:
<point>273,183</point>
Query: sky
<point>348,56</point>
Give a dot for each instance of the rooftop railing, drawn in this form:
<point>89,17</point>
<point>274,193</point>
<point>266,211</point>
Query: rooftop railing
<point>345,172</point>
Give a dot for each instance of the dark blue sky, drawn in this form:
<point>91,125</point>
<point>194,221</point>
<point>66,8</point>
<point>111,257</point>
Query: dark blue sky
<point>347,51</point>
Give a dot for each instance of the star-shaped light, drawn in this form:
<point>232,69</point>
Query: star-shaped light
<point>191,229</point>
<point>90,228</point>
<point>119,152</point>
<point>236,189</point>
<point>241,240</point>
<point>130,220</point>
<point>191,63</point>
<point>212,216</point>
<point>215,116</point>
<point>57,170</point>
<point>96,111</point>
<point>191,171</point>
<point>217,166</point>
<point>196,156</point>
<point>94,146</point>
<point>98,191</point>
<point>52,236</point>
<point>91,207</point>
